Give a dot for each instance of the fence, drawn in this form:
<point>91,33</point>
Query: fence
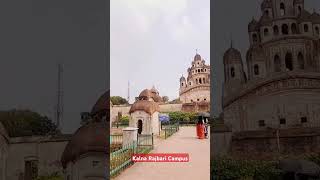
<point>145,143</point>
<point>169,130</point>
<point>121,159</point>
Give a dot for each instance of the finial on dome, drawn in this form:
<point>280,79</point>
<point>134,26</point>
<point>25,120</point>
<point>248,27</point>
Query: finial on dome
<point>231,41</point>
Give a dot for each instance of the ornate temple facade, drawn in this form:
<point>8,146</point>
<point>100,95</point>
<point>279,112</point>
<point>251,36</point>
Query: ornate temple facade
<point>195,89</point>
<point>282,84</point>
<point>279,89</point>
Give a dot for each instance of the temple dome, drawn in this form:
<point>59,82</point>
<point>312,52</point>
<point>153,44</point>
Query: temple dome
<point>232,54</point>
<point>253,25</point>
<point>150,93</point>
<point>182,79</point>
<point>102,105</point>
<point>266,4</point>
<point>147,106</point>
<point>154,90</point>
<point>88,138</point>
<point>145,93</point>
<point>197,57</point>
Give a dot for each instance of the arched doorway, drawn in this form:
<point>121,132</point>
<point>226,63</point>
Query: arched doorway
<point>277,63</point>
<point>288,61</point>
<point>140,125</point>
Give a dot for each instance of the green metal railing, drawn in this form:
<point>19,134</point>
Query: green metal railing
<point>121,159</point>
<point>145,143</point>
<point>169,130</point>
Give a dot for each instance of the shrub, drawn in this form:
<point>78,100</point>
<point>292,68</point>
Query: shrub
<point>227,168</point>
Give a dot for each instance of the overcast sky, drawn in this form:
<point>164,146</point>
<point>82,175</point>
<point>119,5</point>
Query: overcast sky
<point>35,36</point>
<point>154,42</point>
<point>230,18</point>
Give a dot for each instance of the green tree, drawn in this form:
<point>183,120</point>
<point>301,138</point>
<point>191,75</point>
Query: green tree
<point>26,123</point>
<point>165,99</point>
<point>182,116</point>
<point>117,100</point>
<point>124,120</point>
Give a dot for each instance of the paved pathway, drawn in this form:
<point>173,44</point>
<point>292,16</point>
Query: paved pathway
<point>184,141</point>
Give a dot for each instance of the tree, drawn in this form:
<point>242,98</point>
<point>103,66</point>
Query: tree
<point>117,100</point>
<point>165,99</point>
<point>26,123</point>
<point>182,116</point>
<point>124,120</point>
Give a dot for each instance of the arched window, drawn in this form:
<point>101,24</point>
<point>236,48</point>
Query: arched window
<point>203,80</point>
<point>266,12</point>
<point>196,81</point>
<point>282,9</point>
<point>201,70</point>
<point>266,31</point>
<point>256,69</point>
<point>285,29</point>
<point>255,38</point>
<point>299,10</point>
<point>232,72</point>
<point>317,30</point>
<point>181,84</point>
<point>294,28</point>
<point>288,61</point>
<point>200,81</point>
<point>306,28</point>
<point>275,30</point>
<point>277,63</point>
<point>301,60</point>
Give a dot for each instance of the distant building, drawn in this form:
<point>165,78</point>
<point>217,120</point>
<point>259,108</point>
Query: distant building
<point>79,156</point>
<point>195,89</point>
